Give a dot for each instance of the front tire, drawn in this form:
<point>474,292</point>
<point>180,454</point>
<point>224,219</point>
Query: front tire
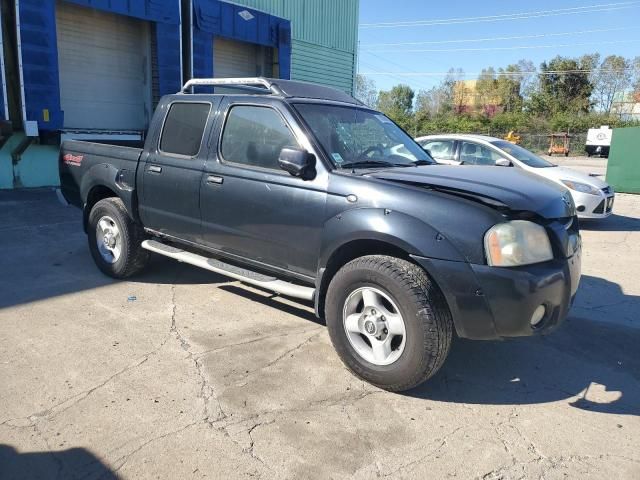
<point>115,239</point>
<point>388,321</point>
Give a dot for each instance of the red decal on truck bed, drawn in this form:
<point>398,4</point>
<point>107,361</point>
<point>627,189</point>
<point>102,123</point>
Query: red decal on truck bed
<point>74,160</point>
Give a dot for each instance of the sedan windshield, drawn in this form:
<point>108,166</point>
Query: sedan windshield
<point>358,138</point>
<point>522,154</point>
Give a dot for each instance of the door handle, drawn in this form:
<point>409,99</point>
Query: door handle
<point>155,169</point>
<point>215,179</point>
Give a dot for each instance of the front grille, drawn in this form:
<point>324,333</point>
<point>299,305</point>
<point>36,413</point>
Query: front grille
<point>599,208</point>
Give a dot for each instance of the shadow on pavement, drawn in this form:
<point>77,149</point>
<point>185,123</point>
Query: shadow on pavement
<point>614,223</point>
<point>271,299</point>
<point>33,282</point>
<point>72,463</point>
<point>593,359</point>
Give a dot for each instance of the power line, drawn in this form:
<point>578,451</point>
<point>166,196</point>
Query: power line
<point>414,83</point>
<point>492,39</point>
<point>396,64</point>
<point>514,47</point>
<point>603,7</point>
<point>500,74</point>
<point>392,75</point>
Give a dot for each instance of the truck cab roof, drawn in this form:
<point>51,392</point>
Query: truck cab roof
<point>285,89</point>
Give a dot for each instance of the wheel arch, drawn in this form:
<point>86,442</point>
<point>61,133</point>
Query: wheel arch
<point>349,251</point>
<point>94,195</point>
<point>374,231</point>
<point>105,181</point>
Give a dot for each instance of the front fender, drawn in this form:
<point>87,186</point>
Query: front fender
<point>403,231</point>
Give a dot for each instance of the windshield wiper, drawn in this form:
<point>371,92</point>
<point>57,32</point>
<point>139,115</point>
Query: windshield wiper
<point>417,163</point>
<point>365,163</point>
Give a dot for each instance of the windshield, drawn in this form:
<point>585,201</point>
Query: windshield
<point>357,138</point>
<point>522,154</point>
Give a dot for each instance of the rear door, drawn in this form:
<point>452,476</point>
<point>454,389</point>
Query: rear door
<point>250,207</point>
<point>173,168</point>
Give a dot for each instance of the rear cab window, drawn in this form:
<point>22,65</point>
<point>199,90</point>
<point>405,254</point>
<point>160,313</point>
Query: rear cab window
<point>183,128</point>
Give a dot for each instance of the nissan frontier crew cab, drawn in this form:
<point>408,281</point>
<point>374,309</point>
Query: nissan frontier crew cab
<point>302,190</point>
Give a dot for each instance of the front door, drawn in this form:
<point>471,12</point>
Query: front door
<point>250,207</point>
<point>172,172</point>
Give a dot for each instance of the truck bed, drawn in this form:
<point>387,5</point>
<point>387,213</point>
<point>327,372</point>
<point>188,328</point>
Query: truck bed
<point>85,164</point>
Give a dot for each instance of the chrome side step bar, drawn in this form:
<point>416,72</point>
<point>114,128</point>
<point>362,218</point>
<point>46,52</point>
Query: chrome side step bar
<point>237,273</point>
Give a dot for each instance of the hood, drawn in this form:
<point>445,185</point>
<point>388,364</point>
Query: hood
<point>503,188</point>
<point>564,173</point>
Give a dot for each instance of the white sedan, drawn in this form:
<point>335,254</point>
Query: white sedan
<point>593,197</point>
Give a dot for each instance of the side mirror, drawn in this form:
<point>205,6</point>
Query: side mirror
<point>503,162</point>
<point>298,162</point>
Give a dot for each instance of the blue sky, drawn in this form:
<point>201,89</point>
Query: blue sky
<point>547,28</point>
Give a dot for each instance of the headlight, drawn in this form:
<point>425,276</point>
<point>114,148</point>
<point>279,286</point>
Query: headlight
<point>581,187</point>
<point>517,243</point>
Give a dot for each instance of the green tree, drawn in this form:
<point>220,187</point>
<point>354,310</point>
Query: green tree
<point>564,86</point>
<point>366,91</point>
<point>456,93</point>
<point>397,104</point>
<point>528,79</point>
<point>486,91</point>
<point>508,88</point>
<point>430,103</point>
<point>636,75</point>
<point>611,79</point>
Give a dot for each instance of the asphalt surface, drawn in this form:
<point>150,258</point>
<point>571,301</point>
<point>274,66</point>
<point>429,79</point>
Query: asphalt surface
<point>179,373</point>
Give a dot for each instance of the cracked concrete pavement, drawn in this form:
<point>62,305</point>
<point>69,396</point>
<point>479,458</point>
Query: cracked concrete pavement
<point>180,373</point>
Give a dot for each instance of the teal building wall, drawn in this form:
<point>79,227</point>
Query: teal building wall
<point>324,38</point>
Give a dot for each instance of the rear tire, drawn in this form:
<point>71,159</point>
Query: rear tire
<point>398,289</point>
<point>115,239</point>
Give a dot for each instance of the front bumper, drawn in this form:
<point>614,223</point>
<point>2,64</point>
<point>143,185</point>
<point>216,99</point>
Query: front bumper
<point>494,302</point>
<point>594,206</point>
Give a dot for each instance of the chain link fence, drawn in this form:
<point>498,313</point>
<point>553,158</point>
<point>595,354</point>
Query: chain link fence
<point>539,142</point>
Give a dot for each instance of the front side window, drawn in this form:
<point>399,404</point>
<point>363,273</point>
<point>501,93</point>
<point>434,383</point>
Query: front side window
<point>440,149</point>
<point>522,154</point>
<point>255,136</point>
<point>355,137</point>
<point>183,128</point>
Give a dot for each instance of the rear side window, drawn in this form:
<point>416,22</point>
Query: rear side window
<point>254,136</point>
<point>440,149</point>
<point>183,128</point>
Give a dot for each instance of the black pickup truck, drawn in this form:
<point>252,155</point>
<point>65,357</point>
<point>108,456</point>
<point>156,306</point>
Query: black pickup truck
<point>302,190</point>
